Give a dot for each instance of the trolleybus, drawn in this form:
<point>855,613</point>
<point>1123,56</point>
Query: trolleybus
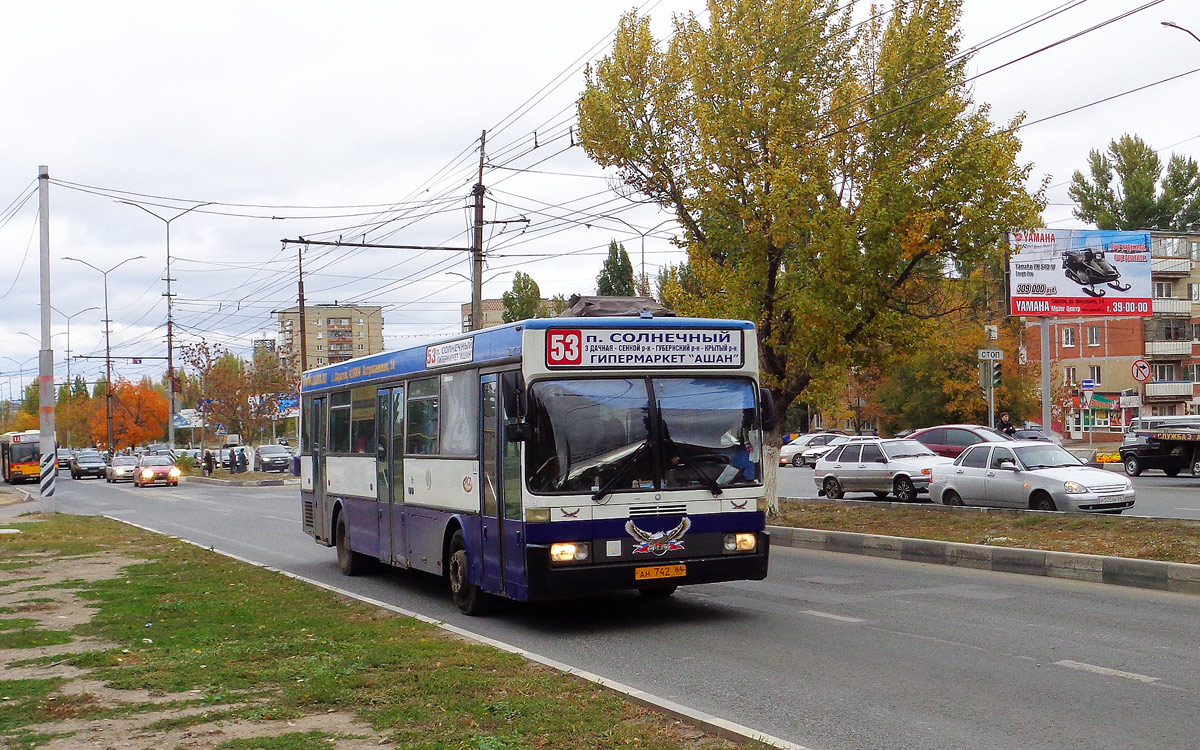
<point>544,459</point>
<point>20,459</point>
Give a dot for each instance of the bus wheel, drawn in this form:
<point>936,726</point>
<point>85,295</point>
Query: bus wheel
<point>350,562</point>
<point>657,592</point>
<point>469,599</point>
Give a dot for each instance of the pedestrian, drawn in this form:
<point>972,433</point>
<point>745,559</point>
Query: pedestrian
<point>209,463</point>
<point>230,460</point>
<point>1005,426</point>
<point>241,461</point>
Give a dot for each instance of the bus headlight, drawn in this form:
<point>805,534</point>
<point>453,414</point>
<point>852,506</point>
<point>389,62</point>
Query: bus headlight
<point>743,542</point>
<point>570,551</point>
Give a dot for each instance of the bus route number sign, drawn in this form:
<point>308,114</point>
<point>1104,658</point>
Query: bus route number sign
<point>564,348</point>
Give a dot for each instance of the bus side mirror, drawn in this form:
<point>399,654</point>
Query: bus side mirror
<point>766,403</point>
<point>512,391</point>
<point>517,432</point>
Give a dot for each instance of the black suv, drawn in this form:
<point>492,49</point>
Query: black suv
<point>1141,451</point>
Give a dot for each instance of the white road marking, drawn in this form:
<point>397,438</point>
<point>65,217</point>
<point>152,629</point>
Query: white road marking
<point>1105,671</point>
<point>841,618</point>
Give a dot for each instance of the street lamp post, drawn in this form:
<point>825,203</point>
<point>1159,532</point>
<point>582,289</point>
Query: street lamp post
<point>68,317</point>
<point>1173,25</point>
<point>641,234</point>
<point>20,377</point>
<point>107,342</point>
<point>170,319</point>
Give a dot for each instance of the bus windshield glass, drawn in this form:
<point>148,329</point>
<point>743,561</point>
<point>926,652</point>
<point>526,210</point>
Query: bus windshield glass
<point>24,453</point>
<point>608,436</point>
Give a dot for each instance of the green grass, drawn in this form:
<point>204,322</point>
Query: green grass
<point>292,741</point>
<point>33,637</point>
<point>261,646</point>
<point>13,623</point>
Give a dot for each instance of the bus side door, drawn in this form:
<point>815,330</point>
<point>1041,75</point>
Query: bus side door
<point>389,474</point>
<point>316,441</point>
<point>501,529</point>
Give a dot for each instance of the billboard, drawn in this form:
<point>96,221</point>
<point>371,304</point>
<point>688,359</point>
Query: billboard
<point>1079,272</point>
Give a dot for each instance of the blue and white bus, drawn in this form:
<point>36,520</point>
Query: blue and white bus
<point>544,459</point>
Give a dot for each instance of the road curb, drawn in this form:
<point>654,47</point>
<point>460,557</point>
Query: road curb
<point>1180,578</point>
<point>236,483</point>
<point>709,722</point>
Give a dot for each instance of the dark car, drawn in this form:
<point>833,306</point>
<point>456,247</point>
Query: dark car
<point>153,469</point>
<point>88,464</point>
<point>1033,435</point>
<point>950,440</point>
<point>62,458</point>
<point>1141,451</point>
<point>272,458</point>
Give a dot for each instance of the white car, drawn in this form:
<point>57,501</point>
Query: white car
<point>1029,474</point>
<point>896,466</point>
<point>790,453</point>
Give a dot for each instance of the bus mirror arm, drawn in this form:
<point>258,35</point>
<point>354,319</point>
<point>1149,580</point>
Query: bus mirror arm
<point>512,388</point>
<point>381,452</point>
<point>517,432</point>
<point>767,403</point>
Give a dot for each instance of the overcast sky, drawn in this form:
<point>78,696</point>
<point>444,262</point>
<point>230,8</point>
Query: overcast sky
<point>316,119</point>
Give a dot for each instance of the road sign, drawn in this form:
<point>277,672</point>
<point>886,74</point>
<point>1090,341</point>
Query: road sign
<point>1086,401</point>
<point>992,354</point>
<point>1141,370</point>
<point>1087,385</point>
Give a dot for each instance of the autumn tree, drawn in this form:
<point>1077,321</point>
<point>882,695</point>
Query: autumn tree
<point>616,275</point>
<point>202,358</point>
<point>524,300</point>
<point>266,382</point>
<point>139,413</point>
<point>73,413</point>
<point>228,388</point>
<point>1142,198</point>
<point>826,176</point>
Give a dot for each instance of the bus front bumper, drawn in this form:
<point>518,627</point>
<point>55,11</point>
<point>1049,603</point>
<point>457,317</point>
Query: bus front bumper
<point>550,581</point>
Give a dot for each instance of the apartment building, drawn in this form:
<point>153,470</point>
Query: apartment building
<point>333,333</point>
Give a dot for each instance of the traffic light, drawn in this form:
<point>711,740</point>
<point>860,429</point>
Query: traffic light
<point>996,372</point>
<point>983,378</point>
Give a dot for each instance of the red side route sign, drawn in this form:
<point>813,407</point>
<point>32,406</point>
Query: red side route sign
<point>1140,370</point>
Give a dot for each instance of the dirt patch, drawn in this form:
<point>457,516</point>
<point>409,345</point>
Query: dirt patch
<point>42,592</point>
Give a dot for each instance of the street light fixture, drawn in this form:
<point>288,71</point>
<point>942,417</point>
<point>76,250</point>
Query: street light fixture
<point>107,342</point>
<point>170,319</point>
<point>1173,25</point>
<point>641,234</point>
<point>68,317</point>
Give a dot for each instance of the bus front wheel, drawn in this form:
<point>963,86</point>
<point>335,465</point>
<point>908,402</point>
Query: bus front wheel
<point>468,597</point>
<point>351,563</point>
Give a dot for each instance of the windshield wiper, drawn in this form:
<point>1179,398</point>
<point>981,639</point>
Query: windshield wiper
<point>619,474</point>
<point>709,483</point>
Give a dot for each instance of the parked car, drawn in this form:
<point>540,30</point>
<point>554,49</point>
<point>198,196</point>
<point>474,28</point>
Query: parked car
<point>897,466</point>
<point>151,469</point>
<point>87,464</point>
<point>62,459</point>
<point>790,453</point>
<point>1033,435</point>
<point>809,456</point>
<point>951,439</point>
<point>121,468</point>
<point>1029,474</point>
<point>272,458</point>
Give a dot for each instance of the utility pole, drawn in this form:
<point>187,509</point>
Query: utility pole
<point>46,395</point>
<point>477,244</point>
<point>300,289</point>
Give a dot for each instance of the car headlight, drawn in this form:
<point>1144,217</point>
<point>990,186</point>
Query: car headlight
<point>570,551</point>
<point>1128,484</point>
<point>147,473</point>
<point>175,472</point>
<point>1075,488</point>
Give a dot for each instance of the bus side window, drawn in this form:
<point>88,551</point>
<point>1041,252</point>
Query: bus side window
<point>423,417</point>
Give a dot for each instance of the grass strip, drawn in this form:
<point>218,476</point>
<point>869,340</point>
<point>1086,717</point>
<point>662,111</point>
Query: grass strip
<point>1140,538</point>
<point>252,644</point>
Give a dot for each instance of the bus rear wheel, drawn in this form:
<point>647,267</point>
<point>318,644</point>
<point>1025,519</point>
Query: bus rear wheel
<point>468,597</point>
<point>351,563</point>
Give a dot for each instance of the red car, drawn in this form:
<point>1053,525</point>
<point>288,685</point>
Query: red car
<point>153,469</point>
<point>952,439</point>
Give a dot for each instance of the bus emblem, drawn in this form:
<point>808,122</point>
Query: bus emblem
<point>660,542</point>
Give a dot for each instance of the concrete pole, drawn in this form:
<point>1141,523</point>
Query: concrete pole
<point>49,472</point>
<point>477,245</point>
<point>1046,397</point>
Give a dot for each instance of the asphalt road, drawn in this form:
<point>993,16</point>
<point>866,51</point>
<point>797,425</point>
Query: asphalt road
<point>1158,495</point>
<point>831,651</point>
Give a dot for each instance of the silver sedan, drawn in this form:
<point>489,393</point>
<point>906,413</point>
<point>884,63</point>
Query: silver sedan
<point>1032,475</point>
<point>900,467</point>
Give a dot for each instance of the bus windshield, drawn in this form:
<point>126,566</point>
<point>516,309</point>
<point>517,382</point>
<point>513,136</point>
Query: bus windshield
<point>607,435</point>
<point>24,453</point>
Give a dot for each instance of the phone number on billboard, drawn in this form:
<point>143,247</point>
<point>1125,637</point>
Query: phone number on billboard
<point>1117,306</point>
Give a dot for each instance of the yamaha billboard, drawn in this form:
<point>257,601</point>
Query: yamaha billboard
<point>1079,272</point>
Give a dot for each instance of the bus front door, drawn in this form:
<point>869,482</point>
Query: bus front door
<point>389,474</point>
<point>316,442</point>
<point>501,533</point>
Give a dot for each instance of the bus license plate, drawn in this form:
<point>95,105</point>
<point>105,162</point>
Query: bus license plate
<point>659,571</point>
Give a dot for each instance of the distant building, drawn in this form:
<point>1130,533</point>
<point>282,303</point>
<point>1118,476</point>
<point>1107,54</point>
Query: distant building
<point>493,313</point>
<point>267,344</point>
<point>333,333</point>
